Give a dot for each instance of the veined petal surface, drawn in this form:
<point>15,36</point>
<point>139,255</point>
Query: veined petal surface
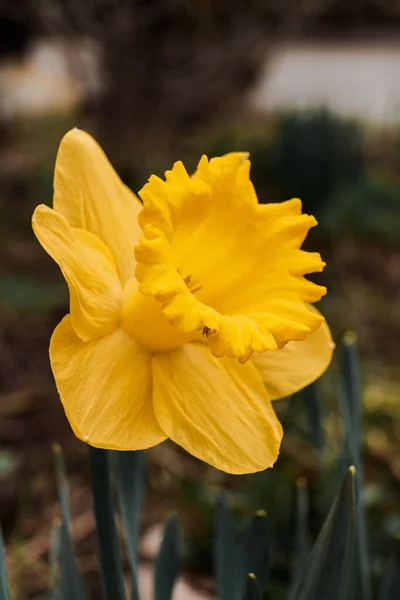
<point>212,270</point>
<point>105,388</point>
<point>243,259</point>
<point>298,364</point>
<point>89,269</point>
<point>89,193</point>
<point>217,409</point>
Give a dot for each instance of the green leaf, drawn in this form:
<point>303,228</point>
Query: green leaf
<point>129,470</point>
<point>252,589</point>
<point>54,559</point>
<point>390,586</point>
<point>4,593</point>
<point>107,537</point>
<point>255,549</point>
<point>225,551</point>
<point>351,403</point>
<point>235,559</point>
<point>313,405</point>
<point>71,583</point>
<point>327,570</point>
<point>168,561</point>
<point>302,546</point>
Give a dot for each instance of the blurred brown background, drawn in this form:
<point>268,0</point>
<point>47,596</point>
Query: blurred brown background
<point>312,89</point>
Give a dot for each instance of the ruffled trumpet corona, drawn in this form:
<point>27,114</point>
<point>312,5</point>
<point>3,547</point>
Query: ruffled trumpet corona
<point>189,313</point>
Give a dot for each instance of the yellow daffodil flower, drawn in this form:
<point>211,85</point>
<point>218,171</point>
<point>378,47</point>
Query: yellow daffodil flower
<point>188,314</point>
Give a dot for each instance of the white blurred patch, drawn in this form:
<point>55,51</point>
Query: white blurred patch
<point>182,590</point>
<point>353,78</point>
<point>149,547</point>
<point>53,77</point>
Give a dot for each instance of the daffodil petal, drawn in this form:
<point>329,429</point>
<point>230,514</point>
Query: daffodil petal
<point>298,364</point>
<point>89,269</point>
<point>217,409</point>
<point>89,193</point>
<point>105,388</point>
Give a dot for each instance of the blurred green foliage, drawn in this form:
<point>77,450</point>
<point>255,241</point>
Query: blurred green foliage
<point>367,209</point>
<point>246,547</point>
<point>348,175</point>
<point>314,154</point>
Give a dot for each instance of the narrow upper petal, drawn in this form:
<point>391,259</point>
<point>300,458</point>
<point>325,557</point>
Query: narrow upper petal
<point>217,409</point>
<point>105,388</point>
<point>298,364</point>
<point>89,193</point>
<point>89,269</point>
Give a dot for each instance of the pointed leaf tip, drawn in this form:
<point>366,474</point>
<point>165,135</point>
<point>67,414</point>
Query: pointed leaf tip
<point>301,481</point>
<point>350,338</point>
<point>327,570</point>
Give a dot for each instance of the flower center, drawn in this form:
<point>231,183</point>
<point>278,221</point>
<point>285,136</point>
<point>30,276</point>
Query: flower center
<point>142,318</point>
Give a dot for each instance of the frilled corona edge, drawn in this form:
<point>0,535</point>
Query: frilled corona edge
<point>212,227</point>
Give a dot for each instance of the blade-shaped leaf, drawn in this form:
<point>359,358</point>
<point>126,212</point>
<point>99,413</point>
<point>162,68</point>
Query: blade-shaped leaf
<point>168,561</point>
<point>71,584</point>
<point>302,547</point>
<point>108,543</point>
<point>313,406</point>
<point>351,405</point>
<point>54,559</point>
<point>327,569</point>
<point>4,593</point>
<point>61,479</point>
<point>254,549</point>
<point>390,586</point>
<point>252,589</point>
<point>225,551</point>
<point>129,470</point>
